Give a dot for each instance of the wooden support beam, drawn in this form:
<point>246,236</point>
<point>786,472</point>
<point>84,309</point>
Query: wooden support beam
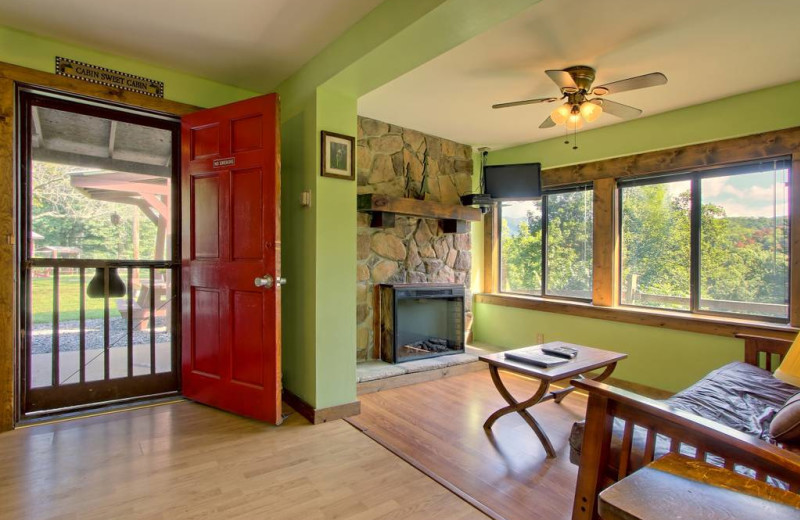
<point>417,208</point>
<point>112,137</point>
<point>491,251</point>
<point>101,163</point>
<point>694,157</point>
<point>38,135</point>
<point>605,256</point>
<point>794,241</point>
<point>129,187</point>
<point>7,241</point>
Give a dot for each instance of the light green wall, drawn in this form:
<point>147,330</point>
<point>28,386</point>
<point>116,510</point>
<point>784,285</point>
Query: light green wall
<point>394,38</point>
<point>660,358</point>
<point>37,52</point>
<point>299,327</point>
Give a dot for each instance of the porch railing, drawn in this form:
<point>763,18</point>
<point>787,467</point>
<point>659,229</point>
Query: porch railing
<point>137,312</point>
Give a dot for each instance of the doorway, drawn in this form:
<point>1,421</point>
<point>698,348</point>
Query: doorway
<point>98,251</point>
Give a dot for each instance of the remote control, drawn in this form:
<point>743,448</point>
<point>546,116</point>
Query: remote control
<point>561,351</point>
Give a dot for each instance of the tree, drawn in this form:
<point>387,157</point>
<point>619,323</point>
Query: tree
<point>67,217</point>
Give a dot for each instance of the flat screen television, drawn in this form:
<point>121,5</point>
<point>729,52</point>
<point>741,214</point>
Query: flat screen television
<point>513,181</point>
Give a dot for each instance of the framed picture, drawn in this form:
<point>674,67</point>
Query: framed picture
<point>338,156</point>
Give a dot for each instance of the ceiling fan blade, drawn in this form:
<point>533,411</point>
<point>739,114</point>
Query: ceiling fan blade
<point>648,80</point>
<point>562,79</point>
<point>617,109</point>
<point>524,102</point>
<point>547,123</point>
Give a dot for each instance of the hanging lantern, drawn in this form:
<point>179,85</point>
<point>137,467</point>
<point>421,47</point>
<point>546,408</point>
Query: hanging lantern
<point>96,287</point>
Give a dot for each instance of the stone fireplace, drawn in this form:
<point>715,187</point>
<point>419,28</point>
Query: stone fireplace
<point>399,162</point>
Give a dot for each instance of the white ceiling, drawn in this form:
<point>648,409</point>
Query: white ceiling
<point>253,44</point>
<point>708,49</point>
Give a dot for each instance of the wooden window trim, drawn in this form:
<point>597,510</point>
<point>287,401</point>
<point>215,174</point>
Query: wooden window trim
<point>10,77</point>
<point>604,175</point>
<point>664,319</point>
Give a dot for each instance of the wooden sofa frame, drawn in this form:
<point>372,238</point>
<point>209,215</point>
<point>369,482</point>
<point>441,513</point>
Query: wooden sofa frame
<point>597,471</point>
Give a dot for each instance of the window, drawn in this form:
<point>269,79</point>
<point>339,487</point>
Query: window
<point>712,242</point>
<point>546,245</point>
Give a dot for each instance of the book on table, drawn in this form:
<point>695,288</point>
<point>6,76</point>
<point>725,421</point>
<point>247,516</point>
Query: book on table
<point>535,356</point>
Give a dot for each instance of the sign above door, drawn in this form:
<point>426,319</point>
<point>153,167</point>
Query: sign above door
<point>111,78</point>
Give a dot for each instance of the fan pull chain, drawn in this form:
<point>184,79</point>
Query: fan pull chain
<point>575,139</point>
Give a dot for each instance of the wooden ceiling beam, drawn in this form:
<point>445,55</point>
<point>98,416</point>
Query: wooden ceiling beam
<point>100,163</point>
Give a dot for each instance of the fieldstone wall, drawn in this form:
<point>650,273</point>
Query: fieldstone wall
<point>400,162</point>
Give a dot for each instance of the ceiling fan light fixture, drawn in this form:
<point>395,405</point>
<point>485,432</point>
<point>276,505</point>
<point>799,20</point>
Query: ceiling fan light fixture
<point>574,121</point>
<point>561,113</point>
<point>590,111</point>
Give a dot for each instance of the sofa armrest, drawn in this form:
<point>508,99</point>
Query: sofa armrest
<point>754,346</point>
<point>736,449</point>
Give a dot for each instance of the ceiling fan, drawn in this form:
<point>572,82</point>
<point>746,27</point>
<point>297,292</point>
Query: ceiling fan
<point>576,87</point>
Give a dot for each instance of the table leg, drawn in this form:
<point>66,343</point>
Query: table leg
<point>520,408</point>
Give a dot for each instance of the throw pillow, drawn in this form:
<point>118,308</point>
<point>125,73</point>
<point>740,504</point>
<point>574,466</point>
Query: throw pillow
<point>785,426</point>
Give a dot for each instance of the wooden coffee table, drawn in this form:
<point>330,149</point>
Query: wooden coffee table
<point>587,360</point>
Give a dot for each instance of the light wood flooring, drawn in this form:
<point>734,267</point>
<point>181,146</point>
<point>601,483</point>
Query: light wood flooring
<point>439,426</point>
<point>189,461</point>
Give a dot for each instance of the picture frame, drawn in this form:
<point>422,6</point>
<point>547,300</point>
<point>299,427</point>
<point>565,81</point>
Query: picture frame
<point>338,154</point>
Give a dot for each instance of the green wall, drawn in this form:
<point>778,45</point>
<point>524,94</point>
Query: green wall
<point>320,325</point>
<point>660,358</point>
<point>36,52</point>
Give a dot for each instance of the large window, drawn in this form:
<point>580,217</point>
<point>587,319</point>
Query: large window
<point>546,245</point>
<point>714,242</point>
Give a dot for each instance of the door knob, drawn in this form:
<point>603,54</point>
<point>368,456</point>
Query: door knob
<point>281,281</point>
<point>266,282</point>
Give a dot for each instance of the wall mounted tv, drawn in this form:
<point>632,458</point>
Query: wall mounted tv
<point>513,181</point>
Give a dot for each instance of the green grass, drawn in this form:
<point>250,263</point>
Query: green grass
<point>69,299</point>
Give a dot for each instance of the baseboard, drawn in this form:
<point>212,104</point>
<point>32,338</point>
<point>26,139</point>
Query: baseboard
<point>321,415</point>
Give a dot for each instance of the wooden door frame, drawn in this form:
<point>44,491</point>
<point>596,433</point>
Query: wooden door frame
<point>10,77</point>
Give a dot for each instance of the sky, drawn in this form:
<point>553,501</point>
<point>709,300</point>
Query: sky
<point>749,195</point>
<point>744,195</point>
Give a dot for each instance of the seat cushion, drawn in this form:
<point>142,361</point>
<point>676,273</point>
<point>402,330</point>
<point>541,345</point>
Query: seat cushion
<point>735,395</point>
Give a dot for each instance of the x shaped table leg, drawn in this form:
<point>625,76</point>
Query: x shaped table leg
<point>521,408</point>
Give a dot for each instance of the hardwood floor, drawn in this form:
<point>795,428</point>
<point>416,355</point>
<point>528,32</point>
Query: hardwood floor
<point>189,461</point>
<point>438,426</point>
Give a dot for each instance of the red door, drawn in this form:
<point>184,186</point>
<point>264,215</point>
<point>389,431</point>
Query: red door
<point>230,188</point>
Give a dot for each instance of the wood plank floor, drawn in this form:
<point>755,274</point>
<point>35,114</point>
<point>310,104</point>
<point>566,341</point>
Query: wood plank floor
<point>439,425</point>
<point>185,460</point>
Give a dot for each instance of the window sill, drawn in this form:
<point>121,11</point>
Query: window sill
<point>664,319</point>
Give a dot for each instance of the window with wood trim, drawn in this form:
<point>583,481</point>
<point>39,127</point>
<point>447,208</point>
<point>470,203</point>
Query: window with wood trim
<point>708,242</point>
<point>546,245</point>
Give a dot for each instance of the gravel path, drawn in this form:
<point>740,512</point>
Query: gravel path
<point>70,331</point>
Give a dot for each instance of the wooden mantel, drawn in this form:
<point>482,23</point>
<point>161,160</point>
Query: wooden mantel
<point>453,217</point>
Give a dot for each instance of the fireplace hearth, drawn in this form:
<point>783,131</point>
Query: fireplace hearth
<point>420,321</point>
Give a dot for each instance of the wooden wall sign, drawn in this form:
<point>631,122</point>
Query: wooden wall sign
<point>112,78</point>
